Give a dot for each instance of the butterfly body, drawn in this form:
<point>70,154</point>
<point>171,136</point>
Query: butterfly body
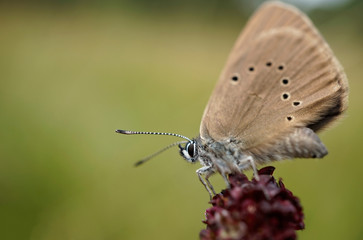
<point>228,156</point>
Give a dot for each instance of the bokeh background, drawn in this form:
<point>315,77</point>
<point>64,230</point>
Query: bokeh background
<point>71,72</point>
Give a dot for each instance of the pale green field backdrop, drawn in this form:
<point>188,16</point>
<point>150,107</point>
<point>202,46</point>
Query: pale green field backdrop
<point>69,76</point>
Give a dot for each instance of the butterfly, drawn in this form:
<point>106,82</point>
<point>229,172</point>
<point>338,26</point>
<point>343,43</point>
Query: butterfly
<point>280,86</point>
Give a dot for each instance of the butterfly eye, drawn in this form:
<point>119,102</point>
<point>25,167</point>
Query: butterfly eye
<point>191,149</point>
<point>189,152</point>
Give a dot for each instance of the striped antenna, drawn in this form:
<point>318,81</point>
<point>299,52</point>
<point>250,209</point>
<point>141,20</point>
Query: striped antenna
<point>127,132</point>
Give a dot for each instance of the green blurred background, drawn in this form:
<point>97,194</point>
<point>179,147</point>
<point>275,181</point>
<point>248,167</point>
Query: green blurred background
<point>71,72</point>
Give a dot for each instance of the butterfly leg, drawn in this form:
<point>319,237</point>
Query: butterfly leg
<point>224,175</point>
<point>207,171</point>
<point>209,184</point>
<point>224,169</point>
<point>249,160</point>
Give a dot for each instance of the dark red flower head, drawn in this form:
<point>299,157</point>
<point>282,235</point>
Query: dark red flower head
<point>256,209</point>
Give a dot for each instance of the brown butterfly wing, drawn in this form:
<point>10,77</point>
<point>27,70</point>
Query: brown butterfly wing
<point>280,75</point>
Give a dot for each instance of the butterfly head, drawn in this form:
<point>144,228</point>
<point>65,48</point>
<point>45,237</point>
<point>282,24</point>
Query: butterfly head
<point>189,152</point>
